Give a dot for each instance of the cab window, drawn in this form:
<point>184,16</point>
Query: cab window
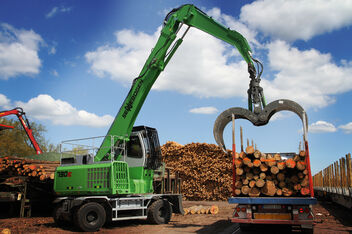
<point>134,148</point>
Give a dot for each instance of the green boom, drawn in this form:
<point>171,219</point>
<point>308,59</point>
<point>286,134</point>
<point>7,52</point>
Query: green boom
<point>156,62</point>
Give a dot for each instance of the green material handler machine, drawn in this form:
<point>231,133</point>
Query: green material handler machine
<point>117,182</point>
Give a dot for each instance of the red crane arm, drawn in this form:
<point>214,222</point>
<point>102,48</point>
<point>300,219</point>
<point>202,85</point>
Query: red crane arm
<point>21,115</point>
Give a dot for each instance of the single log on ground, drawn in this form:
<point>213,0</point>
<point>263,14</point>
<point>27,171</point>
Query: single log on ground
<point>214,209</point>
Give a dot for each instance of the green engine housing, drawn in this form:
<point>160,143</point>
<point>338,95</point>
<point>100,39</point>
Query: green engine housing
<point>103,179</point>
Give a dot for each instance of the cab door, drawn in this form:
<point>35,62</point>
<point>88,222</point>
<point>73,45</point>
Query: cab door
<point>135,150</point>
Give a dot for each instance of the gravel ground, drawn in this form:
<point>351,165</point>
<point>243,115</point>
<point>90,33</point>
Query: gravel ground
<point>330,218</point>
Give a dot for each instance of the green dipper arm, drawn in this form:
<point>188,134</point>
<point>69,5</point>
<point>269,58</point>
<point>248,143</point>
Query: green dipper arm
<point>156,62</point>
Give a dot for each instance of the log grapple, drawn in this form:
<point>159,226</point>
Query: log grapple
<point>258,112</point>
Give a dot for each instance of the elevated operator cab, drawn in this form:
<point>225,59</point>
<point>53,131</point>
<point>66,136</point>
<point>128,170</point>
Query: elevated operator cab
<point>142,150</point>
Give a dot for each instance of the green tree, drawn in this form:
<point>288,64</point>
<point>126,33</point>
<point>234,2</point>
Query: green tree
<point>15,142</point>
<point>79,150</point>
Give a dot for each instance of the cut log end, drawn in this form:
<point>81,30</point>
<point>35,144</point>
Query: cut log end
<point>250,149</point>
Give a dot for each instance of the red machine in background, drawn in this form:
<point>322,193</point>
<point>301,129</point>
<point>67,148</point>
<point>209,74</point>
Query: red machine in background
<point>21,115</point>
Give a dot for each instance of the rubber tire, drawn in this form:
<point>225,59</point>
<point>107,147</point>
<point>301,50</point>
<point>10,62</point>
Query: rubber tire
<point>159,212</point>
<point>56,215</point>
<point>93,208</point>
<point>246,227</point>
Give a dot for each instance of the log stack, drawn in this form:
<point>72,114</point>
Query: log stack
<point>35,169</point>
<point>260,174</point>
<point>206,172</point>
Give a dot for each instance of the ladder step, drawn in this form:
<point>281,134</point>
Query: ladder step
<point>130,208</point>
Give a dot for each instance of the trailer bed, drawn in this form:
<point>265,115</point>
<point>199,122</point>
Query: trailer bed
<point>274,200</point>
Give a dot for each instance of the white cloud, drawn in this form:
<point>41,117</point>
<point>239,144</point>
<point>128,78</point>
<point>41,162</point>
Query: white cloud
<point>57,10</point>
<point>347,128</point>
<point>308,77</point>
<point>297,19</point>
<point>4,102</point>
<point>281,115</point>
<point>54,73</point>
<point>44,107</point>
<point>18,52</point>
<point>122,63</point>
<point>52,50</point>
<point>200,67</point>
<point>204,66</point>
<point>234,24</point>
<point>208,110</point>
<point>321,127</point>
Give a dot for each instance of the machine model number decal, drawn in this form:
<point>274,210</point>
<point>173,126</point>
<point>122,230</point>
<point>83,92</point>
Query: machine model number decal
<point>64,173</point>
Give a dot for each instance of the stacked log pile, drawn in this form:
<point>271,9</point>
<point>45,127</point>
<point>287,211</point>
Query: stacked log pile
<point>35,169</point>
<point>259,174</point>
<point>206,172</point>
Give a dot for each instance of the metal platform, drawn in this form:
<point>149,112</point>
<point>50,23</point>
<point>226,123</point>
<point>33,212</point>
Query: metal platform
<point>274,200</point>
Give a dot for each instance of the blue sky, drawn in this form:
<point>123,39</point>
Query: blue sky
<point>70,64</point>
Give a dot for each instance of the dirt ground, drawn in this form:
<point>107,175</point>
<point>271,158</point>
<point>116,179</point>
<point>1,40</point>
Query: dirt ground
<point>330,218</point>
